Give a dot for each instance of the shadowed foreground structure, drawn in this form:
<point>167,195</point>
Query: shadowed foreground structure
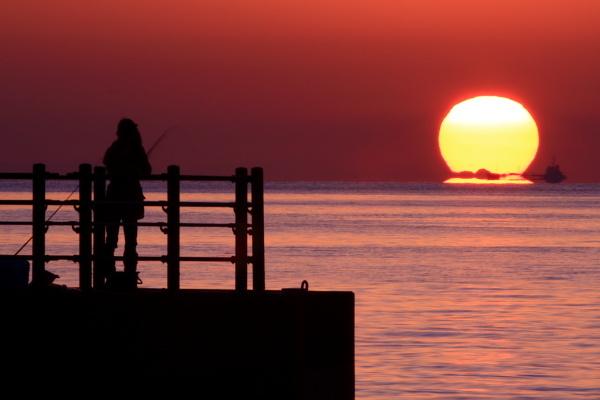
<point>289,344</point>
<point>247,344</point>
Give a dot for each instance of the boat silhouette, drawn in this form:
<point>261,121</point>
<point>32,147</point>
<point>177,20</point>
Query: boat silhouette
<point>553,174</point>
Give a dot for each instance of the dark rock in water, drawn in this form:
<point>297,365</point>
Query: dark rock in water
<point>464,174</point>
<point>487,175</point>
<point>480,174</point>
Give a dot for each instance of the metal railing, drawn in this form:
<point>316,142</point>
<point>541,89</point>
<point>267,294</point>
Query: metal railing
<point>91,226</point>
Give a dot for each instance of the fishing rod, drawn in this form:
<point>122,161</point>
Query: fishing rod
<point>160,138</point>
<point>156,142</point>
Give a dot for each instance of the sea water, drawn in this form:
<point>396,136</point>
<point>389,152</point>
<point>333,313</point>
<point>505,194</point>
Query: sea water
<point>462,291</point>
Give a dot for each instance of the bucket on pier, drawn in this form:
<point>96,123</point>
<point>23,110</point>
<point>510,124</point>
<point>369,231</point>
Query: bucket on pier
<point>14,274</point>
<point>121,280</point>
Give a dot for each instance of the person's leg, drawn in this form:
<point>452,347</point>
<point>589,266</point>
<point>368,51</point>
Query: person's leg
<point>130,256</point>
<point>112,240</point>
<point>112,217</point>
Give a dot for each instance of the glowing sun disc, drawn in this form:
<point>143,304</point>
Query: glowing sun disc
<point>489,133</point>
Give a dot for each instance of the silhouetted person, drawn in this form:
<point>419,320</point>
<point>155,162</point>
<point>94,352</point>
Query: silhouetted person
<point>126,161</point>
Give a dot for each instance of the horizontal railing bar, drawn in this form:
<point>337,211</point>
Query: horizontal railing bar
<point>207,225</point>
<point>159,203</point>
<point>207,178</point>
<point>158,224</point>
<point>155,177</point>
<point>190,204</point>
<point>165,224</point>
<point>162,203</point>
<point>30,202</point>
<point>188,225</point>
<point>205,204</point>
<point>162,259</point>
<point>51,202</point>
<point>67,223</point>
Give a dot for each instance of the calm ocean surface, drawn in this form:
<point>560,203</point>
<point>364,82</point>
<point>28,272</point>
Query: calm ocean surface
<point>462,291</point>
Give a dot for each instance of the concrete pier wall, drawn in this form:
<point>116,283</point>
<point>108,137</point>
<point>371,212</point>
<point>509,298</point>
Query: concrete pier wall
<point>289,344</point>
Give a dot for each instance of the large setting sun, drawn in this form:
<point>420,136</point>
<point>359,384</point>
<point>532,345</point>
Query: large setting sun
<point>488,138</point>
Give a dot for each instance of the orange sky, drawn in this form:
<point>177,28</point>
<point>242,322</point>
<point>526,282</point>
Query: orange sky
<point>309,90</point>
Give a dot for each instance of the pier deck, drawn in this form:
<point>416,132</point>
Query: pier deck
<point>288,344</point>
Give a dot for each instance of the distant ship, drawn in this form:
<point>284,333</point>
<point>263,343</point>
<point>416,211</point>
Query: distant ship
<point>553,174</point>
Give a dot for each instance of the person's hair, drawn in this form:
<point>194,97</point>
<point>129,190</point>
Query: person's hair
<point>127,130</point>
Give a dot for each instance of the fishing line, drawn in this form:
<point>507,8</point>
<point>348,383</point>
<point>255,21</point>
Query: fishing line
<point>160,138</point>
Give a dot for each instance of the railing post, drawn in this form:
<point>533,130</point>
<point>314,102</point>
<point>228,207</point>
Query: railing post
<point>38,245</point>
<point>258,230</point>
<point>85,226</point>
<point>99,229</point>
<point>241,229</point>
<point>173,228</point>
